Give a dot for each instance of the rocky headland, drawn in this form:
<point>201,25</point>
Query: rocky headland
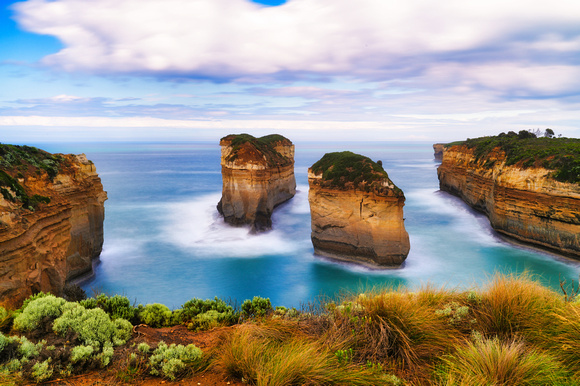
<point>438,150</point>
<point>257,175</point>
<point>51,220</point>
<point>356,211</point>
<point>528,187</point>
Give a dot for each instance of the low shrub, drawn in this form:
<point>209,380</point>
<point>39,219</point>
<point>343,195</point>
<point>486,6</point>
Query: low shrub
<point>81,353</point>
<point>205,314</point>
<point>171,361</point>
<point>116,306</point>
<point>35,310</point>
<point>155,315</point>
<point>257,307</point>
<point>42,371</point>
<point>93,327</point>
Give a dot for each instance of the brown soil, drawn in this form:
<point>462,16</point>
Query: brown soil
<point>115,374</point>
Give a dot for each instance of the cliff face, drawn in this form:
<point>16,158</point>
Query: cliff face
<point>257,175</point>
<point>438,150</point>
<point>356,221</point>
<point>525,204</point>
<point>51,227</point>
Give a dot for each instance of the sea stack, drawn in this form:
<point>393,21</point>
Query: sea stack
<point>51,221</point>
<point>356,211</point>
<point>529,188</point>
<point>257,175</point>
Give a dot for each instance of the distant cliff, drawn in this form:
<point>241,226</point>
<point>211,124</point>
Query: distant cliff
<point>438,150</point>
<point>257,175</point>
<point>528,187</point>
<point>51,220</point>
<point>356,211</point>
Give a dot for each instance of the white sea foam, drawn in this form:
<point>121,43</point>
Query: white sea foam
<point>195,226</point>
<point>464,220</point>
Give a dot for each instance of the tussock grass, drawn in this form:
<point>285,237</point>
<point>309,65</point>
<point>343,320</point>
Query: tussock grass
<point>398,329</point>
<point>514,305</point>
<point>271,354</point>
<point>494,362</point>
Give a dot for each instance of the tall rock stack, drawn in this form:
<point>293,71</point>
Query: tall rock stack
<point>51,220</point>
<point>356,212</point>
<point>257,175</point>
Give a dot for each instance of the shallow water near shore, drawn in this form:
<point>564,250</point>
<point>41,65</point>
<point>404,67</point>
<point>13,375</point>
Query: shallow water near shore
<point>165,243</point>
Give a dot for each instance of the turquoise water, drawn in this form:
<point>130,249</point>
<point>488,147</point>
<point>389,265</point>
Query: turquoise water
<point>164,241</point>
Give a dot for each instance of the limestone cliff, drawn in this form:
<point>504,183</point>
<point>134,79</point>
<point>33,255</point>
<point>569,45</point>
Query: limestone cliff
<point>438,150</point>
<point>51,220</point>
<point>526,203</point>
<point>257,175</point>
<point>356,212</point>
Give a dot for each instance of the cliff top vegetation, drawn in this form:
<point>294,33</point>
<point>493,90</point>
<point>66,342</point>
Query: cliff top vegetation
<point>265,146</point>
<point>18,162</point>
<point>524,149</point>
<point>347,170</point>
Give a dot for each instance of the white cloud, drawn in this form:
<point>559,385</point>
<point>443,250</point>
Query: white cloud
<point>233,38</point>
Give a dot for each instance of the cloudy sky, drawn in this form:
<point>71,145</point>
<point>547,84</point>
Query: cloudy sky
<point>80,70</point>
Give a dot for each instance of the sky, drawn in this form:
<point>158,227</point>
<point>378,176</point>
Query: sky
<point>371,70</point>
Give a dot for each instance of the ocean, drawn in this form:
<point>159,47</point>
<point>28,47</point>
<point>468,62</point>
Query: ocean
<point>165,242</point>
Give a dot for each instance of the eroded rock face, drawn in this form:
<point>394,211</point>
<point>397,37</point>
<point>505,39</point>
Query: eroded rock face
<point>44,245</point>
<point>525,204</point>
<point>438,150</point>
<point>357,220</point>
<point>257,175</point>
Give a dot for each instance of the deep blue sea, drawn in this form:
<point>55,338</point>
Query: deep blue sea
<point>165,243</point>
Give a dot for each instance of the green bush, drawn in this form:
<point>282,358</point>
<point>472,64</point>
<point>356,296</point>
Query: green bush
<point>170,361</point>
<point>36,310</point>
<point>116,306</point>
<point>155,315</point>
<point>143,348</point>
<point>257,307</point>
<point>194,307</point>
<point>94,326</point>
<point>89,303</point>
<point>28,349</point>
<point>106,355</point>
<point>41,371</point>
<point>33,297</point>
<point>81,353</point>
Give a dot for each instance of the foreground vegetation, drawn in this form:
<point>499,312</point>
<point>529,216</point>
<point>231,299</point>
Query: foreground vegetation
<point>526,150</point>
<point>513,332</point>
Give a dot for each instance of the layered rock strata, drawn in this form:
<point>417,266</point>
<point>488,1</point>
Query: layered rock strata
<point>257,175</point>
<point>356,212</point>
<point>51,221</point>
<point>523,203</point>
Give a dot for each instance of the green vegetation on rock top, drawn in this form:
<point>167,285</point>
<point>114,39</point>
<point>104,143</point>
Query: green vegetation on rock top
<point>346,169</point>
<point>264,145</point>
<point>19,161</point>
<point>525,150</point>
